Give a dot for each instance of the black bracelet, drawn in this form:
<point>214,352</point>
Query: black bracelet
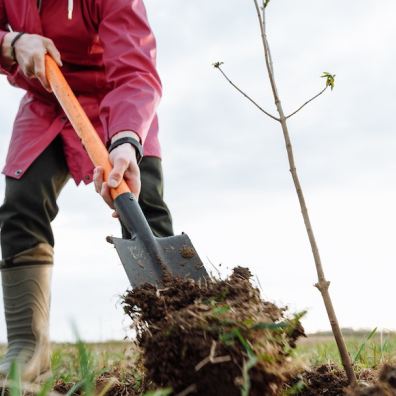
<point>133,142</point>
<point>13,42</point>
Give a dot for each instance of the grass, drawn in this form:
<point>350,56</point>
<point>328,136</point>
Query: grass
<point>72,360</point>
<point>368,349</point>
<point>79,365</point>
<point>76,368</point>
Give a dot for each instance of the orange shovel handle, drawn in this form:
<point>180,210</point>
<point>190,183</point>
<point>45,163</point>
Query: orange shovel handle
<point>81,123</point>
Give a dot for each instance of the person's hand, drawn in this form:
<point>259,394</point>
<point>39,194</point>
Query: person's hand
<point>123,159</point>
<point>30,50</point>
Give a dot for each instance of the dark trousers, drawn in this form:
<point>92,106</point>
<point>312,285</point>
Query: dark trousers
<point>30,202</point>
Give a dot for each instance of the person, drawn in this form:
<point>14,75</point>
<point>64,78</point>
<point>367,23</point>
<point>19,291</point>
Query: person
<point>107,52</point>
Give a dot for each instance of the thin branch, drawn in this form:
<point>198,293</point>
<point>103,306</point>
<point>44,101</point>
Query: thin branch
<point>262,30</point>
<point>307,102</point>
<point>323,284</point>
<point>271,64</point>
<point>267,53</point>
<point>259,16</point>
<point>217,65</point>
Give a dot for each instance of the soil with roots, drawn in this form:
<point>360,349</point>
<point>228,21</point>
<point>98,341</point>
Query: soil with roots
<point>324,380</point>
<point>385,385</point>
<point>330,380</point>
<point>213,338</point>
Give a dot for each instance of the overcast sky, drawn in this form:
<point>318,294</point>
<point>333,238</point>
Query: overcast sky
<point>226,170</point>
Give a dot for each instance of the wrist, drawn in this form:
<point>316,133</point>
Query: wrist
<point>131,141</point>
<point>6,47</point>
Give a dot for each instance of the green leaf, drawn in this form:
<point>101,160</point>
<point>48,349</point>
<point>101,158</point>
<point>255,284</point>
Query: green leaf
<point>75,388</point>
<point>244,342</point>
<point>227,338</point>
<point>15,379</point>
<point>296,389</point>
<point>270,326</point>
<point>363,345</point>
<point>221,310</point>
<point>86,367</point>
<point>235,334</point>
<point>247,365</point>
<point>330,79</point>
<point>46,387</point>
<point>217,65</point>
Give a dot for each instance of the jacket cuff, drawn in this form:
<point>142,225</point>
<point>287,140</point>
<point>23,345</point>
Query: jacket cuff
<point>114,129</point>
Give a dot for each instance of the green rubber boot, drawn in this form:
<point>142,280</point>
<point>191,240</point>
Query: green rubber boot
<point>26,294</point>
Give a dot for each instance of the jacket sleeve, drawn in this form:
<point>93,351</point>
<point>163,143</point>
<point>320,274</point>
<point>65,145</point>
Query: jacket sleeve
<point>3,32</point>
<point>4,68</point>
<point>130,65</point>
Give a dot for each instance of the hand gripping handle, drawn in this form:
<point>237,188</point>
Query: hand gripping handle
<point>81,123</point>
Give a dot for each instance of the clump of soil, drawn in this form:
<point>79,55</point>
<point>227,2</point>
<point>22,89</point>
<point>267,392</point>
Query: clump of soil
<point>327,380</point>
<point>213,338</point>
<point>330,380</point>
<point>385,386</point>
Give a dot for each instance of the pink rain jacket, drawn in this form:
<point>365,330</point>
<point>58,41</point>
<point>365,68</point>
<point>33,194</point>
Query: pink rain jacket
<point>108,51</point>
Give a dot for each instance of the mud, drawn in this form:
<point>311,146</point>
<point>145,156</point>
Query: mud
<point>384,386</point>
<point>330,380</point>
<point>214,338</point>
<point>326,380</point>
<point>187,252</point>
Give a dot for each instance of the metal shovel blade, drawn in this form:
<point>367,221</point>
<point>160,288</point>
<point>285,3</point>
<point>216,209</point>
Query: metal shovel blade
<point>175,255</point>
<point>148,259</point>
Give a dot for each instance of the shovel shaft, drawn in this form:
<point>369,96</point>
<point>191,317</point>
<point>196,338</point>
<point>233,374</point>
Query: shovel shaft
<point>133,219</point>
<point>81,123</point>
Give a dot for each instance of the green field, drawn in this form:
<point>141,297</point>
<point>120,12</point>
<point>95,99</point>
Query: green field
<point>368,349</point>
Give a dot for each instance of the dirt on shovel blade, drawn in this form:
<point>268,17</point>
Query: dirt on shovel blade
<point>214,338</point>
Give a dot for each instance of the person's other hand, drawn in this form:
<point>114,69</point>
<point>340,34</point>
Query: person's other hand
<point>123,159</point>
<point>30,50</point>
